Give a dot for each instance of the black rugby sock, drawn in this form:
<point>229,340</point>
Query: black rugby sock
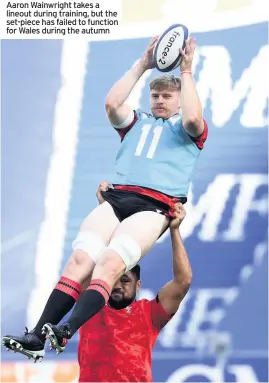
<point>89,304</point>
<point>60,302</point>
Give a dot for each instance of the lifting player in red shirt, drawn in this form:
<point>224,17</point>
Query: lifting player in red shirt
<point>116,344</point>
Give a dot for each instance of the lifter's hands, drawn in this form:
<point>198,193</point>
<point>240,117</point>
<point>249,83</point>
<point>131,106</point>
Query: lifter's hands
<point>179,215</point>
<point>187,54</point>
<point>103,186</point>
<point>146,60</point>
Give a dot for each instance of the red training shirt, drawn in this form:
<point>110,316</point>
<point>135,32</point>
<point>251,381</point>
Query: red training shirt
<point>116,345</point>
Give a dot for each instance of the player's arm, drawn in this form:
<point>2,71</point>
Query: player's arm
<point>120,114</point>
<point>103,186</point>
<point>192,116</point>
<point>171,295</point>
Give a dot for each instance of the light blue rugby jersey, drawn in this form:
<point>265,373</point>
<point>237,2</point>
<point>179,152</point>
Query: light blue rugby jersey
<point>157,154</point>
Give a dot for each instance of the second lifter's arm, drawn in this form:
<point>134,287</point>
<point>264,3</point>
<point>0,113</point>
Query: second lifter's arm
<point>116,109</point>
<point>171,295</point>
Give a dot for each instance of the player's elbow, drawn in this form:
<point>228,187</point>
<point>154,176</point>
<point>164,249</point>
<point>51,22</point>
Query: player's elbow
<point>187,281</point>
<point>111,104</point>
<point>184,281</point>
<point>111,108</point>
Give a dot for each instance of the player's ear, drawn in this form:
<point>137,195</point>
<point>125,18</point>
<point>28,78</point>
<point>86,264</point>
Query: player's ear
<point>138,285</point>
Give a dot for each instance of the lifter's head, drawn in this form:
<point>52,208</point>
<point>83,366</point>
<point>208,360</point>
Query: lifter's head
<point>165,96</point>
<point>124,291</point>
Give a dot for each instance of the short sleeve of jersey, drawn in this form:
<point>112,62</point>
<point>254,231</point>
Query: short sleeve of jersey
<point>137,115</point>
<point>157,315</point>
<point>200,140</point>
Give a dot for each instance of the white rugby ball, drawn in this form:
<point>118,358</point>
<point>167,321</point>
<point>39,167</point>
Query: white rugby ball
<point>166,52</point>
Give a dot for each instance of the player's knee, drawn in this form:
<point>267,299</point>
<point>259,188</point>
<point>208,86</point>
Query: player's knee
<point>110,267</point>
<point>79,258</point>
<point>90,243</point>
<point>127,248</point>
<point>79,266</point>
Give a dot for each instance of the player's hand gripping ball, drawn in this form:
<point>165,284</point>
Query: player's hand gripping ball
<point>166,54</point>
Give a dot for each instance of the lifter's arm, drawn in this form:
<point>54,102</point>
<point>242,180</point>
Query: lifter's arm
<point>116,109</point>
<point>190,103</point>
<point>171,295</point>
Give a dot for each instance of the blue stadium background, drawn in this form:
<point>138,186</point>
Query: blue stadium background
<point>225,313</point>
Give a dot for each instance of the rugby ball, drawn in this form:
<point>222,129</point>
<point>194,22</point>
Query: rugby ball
<point>166,52</point>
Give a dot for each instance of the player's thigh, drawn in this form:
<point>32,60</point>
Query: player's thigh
<point>144,228</point>
<point>94,235</point>
<point>101,221</point>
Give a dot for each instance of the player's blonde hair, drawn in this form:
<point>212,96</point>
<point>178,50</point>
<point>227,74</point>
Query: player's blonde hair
<point>165,81</point>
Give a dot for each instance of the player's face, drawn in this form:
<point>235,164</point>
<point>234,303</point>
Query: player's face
<point>164,102</point>
<point>124,291</point>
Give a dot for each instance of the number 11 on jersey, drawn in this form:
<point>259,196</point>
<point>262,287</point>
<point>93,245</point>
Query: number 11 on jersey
<point>143,138</point>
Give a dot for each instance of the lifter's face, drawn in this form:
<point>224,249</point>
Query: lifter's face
<point>124,291</point>
<point>164,102</point>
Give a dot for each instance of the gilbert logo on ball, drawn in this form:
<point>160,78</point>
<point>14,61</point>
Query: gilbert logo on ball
<point>166,51</point>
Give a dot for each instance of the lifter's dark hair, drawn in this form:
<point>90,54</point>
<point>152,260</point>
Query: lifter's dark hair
<point>136,271</point>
